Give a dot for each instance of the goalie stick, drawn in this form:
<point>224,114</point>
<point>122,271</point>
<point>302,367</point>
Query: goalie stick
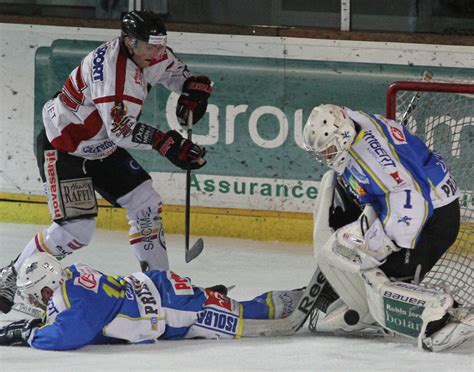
<point>190,253</point>
<point>312,296</point>
<point>28,310</point>
<point>427,76</point>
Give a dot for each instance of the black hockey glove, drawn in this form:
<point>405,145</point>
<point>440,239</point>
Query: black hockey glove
<point>181,152</point>
<point>196,91</point>
<point>17,333</point>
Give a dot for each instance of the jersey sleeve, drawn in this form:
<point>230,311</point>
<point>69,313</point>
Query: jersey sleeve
<point>72,319</point>
<point>171,72</point>
<point>72,329</point>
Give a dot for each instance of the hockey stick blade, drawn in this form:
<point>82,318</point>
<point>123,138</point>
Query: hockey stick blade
<point>194,251</point>
<point>291,324</point>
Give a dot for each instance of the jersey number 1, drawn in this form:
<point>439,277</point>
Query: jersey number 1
<point>408,200</point>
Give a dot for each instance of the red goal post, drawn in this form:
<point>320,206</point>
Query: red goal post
<point>442,113</point>
<point>421,86</point>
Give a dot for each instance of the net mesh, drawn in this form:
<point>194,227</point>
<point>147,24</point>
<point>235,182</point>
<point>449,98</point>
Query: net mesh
<point>446,123</point>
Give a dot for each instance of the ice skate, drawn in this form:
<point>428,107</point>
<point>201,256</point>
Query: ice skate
<point>7,287</point>
<point>458,330</point>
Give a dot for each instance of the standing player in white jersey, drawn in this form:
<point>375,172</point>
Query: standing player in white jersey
<point>87,128</point>
<point>376,260</point>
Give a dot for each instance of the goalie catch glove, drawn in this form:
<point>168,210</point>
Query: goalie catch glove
<point>196,91</point>
<point>181,152</point>
<point>18,333</point>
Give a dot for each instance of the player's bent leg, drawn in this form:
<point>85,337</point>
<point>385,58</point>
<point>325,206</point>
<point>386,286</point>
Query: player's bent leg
<point>146,232</point>
<point>59,239</point>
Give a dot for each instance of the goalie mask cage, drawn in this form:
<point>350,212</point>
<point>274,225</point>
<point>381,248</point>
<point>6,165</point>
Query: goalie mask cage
<point>442,114</point>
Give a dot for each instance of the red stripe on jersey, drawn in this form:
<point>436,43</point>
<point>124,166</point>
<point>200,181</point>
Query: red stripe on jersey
<point>169,66</point>
<point>73,134</point>
<point>72,91</point>
<point>164,57</point>
<point>81,85</point>
<point>119,98</point>
<point>69,102</point>
<point>120,73</point>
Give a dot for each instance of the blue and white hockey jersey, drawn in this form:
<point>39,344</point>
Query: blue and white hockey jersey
<point>396,173</point>
<point>95,308</point>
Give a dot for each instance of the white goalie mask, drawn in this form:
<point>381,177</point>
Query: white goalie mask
<point>37,272</point>
<point>328,134</point>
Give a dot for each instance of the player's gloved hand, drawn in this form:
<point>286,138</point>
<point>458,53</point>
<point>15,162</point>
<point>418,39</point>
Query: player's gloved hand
<point>17,333</point>
<point>196,91</point>
<point>181,152</point>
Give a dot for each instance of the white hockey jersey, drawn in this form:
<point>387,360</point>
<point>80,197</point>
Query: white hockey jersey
<point>100,102</point>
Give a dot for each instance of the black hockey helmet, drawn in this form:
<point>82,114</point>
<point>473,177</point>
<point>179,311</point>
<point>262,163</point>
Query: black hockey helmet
<point>144,25</point>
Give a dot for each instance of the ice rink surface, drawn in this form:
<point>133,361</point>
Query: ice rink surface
<point>254,267</point>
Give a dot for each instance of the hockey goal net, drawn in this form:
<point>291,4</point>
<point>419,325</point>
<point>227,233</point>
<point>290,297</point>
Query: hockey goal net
<point>442,113</point>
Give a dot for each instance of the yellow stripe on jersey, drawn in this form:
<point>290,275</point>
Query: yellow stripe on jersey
<point>359,160</point>
<point>271,305</point>
<point>425,217</point>
<point>433,187</point>
<point>65,296</point>
<point>114,281</point>
<point>240,327</point>
<point>111,292</point>
<point>68,273</point>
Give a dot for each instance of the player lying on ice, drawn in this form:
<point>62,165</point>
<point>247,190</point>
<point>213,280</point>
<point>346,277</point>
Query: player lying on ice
<point>84,306</point>
<point>376,260</point>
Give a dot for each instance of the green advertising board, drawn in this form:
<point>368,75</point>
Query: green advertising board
<point>253,128</point>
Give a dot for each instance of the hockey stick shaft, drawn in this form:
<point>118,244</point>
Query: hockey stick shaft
<point>291,324</point>
<point>427,76</point>
<point>190,253</point>
<point>187,216</point>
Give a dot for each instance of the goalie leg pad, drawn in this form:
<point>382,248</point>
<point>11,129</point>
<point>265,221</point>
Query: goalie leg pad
<point>322,230</point>
<point>403,307</point>
<point>146,234</point>
<point>341,269</point>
